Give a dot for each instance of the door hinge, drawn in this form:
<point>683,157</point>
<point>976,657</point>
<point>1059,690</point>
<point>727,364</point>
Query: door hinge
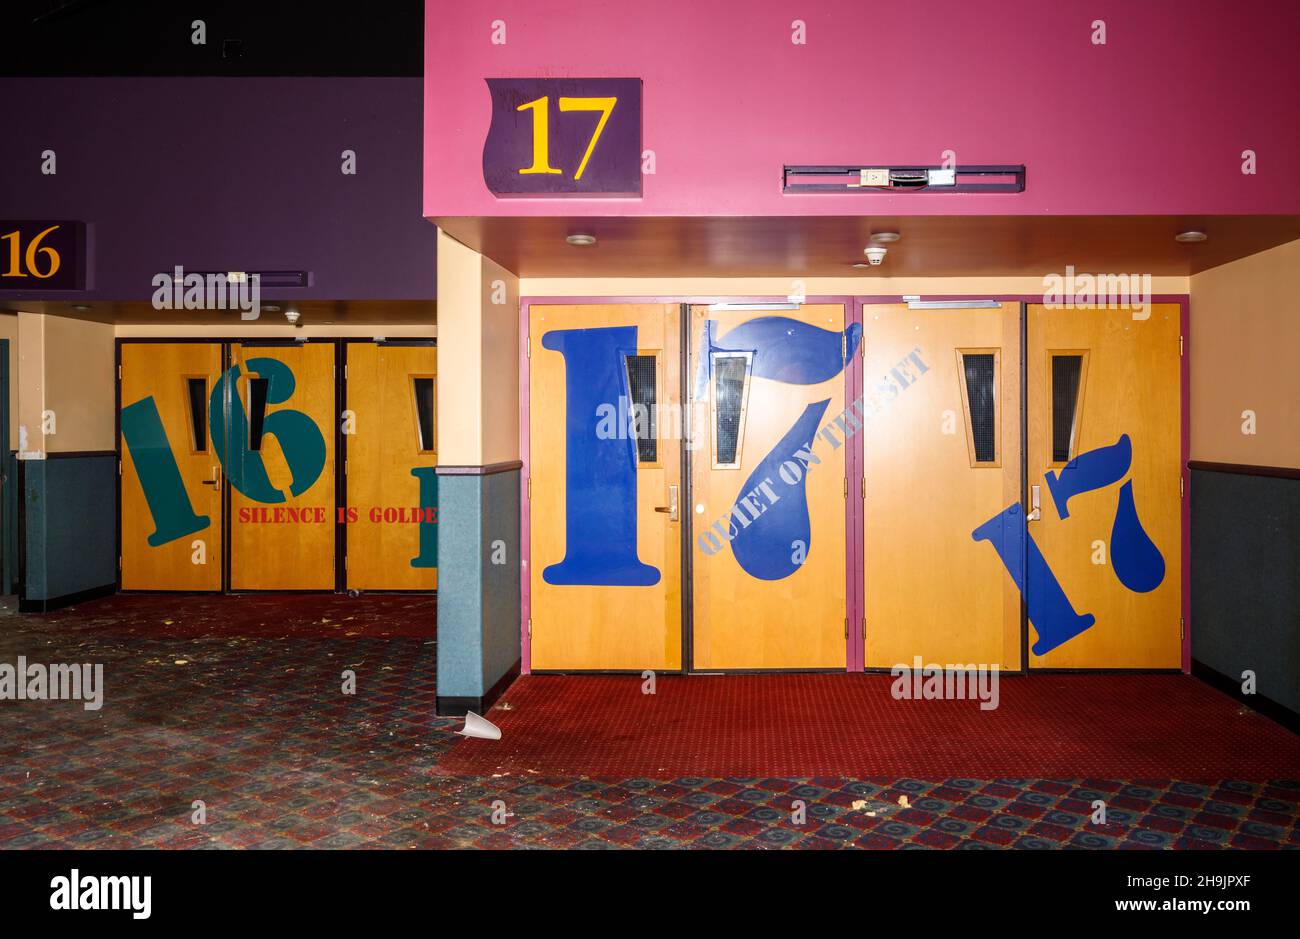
<point>846,627</point>
<point>530,489</point>
<point>1180,345</point>
<point>1182,628</point>
<point>864,488</point>
<point>864,629</point>
<point>1180,486</point>
<point>119,564</point>
<point>345,373</point>
<point>530,627</point>
<point>844,346</point>
<point>119,373</point>
<point>345,466</point>
<point>846,487</point>
<point>119,467</point>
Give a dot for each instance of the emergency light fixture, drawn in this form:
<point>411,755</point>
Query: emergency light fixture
<point>896,179</point>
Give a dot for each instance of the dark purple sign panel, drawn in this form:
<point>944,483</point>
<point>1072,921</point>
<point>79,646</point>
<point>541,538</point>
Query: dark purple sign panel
<point>42,255</point>
<point>564,137</point>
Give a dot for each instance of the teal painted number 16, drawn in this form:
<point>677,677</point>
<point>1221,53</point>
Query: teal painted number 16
<point>300,441</point>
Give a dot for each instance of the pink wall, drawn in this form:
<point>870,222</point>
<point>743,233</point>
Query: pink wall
<point>1158,117</point>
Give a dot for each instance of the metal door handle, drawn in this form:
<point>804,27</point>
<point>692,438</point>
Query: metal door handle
<point>216,477</point>
<point>1035,509</point>
<point>671,507</point>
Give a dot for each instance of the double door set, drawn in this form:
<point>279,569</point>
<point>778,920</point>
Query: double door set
<point>745,488</point>
<point>305,465</point>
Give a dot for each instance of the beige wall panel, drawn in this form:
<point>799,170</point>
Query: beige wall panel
<point>460,306</point>
<point>1244,336</point>
<point>31,384</point>
<point>500,372</point>
<point>79,388</point>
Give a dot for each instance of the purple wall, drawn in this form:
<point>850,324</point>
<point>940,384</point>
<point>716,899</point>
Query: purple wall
<point>1154,122</point>
<point>226,174</point>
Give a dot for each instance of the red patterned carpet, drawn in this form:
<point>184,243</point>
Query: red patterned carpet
<point>1131,726</point>
<point>268,615</point>
<point>257,726</point>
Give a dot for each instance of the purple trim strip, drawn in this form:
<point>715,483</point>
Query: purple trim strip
<point>525,504</point>
<point>1185,377</point>
<point>854,568</point>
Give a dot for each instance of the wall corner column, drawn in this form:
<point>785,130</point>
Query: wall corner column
<point>67,460</point>
<point>478,479</point>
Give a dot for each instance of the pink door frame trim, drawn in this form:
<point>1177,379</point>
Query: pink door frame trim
<point>853,378</point>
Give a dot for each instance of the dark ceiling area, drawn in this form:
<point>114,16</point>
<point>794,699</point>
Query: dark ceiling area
<point>44,38</point>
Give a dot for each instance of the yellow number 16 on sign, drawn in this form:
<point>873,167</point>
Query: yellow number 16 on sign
<point>34,250</point>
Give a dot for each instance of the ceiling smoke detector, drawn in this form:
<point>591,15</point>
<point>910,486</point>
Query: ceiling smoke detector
<point>292,316</point>
<point>875,254</point>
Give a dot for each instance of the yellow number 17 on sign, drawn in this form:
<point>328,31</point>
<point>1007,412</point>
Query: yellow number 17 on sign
<point>542,125</point>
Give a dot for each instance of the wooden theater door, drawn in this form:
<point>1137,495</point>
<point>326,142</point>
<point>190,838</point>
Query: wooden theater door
<point>941,457</point>
<point>1105,559</point>
<point>171,473</point>
<point>277,429</point>
<point>605,478</point>
<point>767,489</point>
<point>392,542</point>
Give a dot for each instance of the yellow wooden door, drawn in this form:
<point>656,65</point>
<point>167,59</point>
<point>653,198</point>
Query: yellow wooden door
<point>767,491</point>
<point>941,456</point>
<point>171,490</point>
<point>1104,451</point>
<point>391,455</point>
<point>604,439</point>
<point>280,464</point>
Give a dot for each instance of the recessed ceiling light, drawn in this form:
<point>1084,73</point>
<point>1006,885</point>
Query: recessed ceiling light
<point>581,240</point>
<point>863,264</point>
<point>80,307</point>
<point>1190,236</point>
<point>885,237</point>
<point>270,308</point>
